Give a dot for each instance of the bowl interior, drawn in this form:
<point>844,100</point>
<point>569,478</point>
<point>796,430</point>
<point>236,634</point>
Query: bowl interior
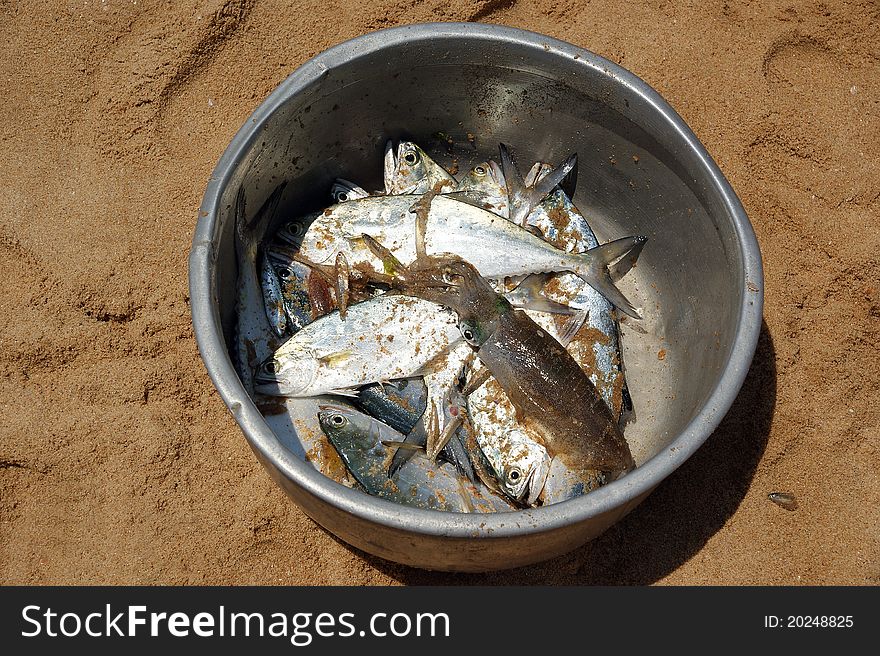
<point>458,99</point>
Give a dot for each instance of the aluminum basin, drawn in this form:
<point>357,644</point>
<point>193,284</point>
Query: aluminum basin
<point>641,171</point>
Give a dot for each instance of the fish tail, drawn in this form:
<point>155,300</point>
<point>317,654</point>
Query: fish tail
<point>592,267</point>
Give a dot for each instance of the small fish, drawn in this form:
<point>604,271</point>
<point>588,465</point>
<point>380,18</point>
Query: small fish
<point>784,499</point>
<point>420,482</point>
<point>253,335</point>
<point>519,462</point>
<point>476,235</point>
<point>384,338</point>
<point>306,293</point>
<point>412,171</point>
<point>273,297</point>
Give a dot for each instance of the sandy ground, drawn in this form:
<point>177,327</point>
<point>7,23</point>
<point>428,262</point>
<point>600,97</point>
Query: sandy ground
<point>119,463</point>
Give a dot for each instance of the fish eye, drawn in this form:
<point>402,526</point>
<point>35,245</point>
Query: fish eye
<point>338,420</point>
<point>480,170</point>
<point>284,272</point>
<point>411,157</point>
<point>342,197</point>
<point>294,228</point>
<point>514,475</point>
<point>272,366</point>
<point>467,333</point>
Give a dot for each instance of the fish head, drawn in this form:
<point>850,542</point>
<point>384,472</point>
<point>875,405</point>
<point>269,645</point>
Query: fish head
<point>486,177</point>
<point>293,232</point>
<point>408,169</point>
<point>292,273</point>
<point>343,191</point>
<point>336,418</point>
<point>290,374</point>
<point>356,433</point>
<point>521,469</point>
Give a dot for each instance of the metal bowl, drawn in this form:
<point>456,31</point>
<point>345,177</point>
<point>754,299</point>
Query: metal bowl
<point>642,171</point>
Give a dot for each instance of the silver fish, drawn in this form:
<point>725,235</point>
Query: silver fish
<point>411,171</point>
<point>524,197</point>
<point>273,297</point>
<point>254,336</point>
<point>596,347</point>
<point>519,462</point>
<point>360,439</point>
<point>476,235</point>
<point>384,338</point>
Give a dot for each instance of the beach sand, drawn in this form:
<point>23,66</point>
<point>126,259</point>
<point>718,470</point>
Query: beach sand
<point>120,464</point>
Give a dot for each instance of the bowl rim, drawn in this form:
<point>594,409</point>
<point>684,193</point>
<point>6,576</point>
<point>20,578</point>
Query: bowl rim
<point>619,496</point>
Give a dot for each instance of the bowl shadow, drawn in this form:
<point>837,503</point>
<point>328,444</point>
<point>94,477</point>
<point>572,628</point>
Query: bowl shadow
<point>673,523</point>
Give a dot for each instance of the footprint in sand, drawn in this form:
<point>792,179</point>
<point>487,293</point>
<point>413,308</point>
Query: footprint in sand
<point>820,119</point>
<point>150,66</point>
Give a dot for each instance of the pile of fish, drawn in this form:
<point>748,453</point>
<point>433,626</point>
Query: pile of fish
<point>456,340</point>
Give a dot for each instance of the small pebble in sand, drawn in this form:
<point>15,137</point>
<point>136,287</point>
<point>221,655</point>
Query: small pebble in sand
<point>784,499</point>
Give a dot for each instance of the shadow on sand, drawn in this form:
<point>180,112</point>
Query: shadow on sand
<point>673,523</point>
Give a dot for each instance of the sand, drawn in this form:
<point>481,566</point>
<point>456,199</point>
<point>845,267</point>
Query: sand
<point>119,462</point>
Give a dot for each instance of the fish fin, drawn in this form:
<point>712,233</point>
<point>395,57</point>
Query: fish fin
<point>444,437</point>
<point>517,192</point>
<point>465,496</point>
<point>390,263</point>
<point>402,444</point>
<point>528,295</point>
<point>620,268</point>
<point>550,181</point>
<point>511,173</point>
<point>351,392</point>
<point>473,197</point>
<point>571,327</point>
<point>390,165</point>
<point>593,270</point>
<point>416,437</point>
<point>538,171</point>
<point>342,284</point>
